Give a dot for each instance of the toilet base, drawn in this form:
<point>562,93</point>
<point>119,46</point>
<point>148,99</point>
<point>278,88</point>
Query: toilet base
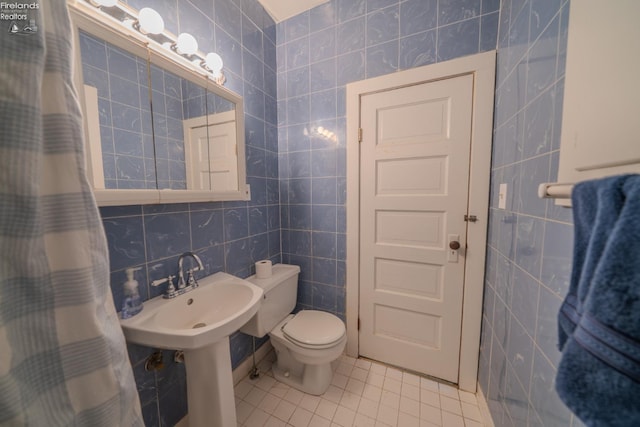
<point>314,379</point>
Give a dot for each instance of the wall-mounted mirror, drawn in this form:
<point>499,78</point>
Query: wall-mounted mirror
<point>157,131</point>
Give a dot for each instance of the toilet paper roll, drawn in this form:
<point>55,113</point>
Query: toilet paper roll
<point>263,269</point>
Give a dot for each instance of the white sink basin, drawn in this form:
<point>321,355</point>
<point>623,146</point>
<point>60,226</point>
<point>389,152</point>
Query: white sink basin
<point>214,310</point>
<point>200,322</point>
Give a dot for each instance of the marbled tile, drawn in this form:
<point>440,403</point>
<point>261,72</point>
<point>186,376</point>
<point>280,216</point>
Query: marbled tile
<point>298,110</point>
<point>254,101</point>
<point>300,217</point>
<point>252,38</point>
<point>324,218</point>
<point>322,105</point>
<point>167,235</point>
<point>382,59</point>
<point>524,300</point>
<point>543,395</point>
<point>557,257</point>
<point>324,297</point>
<point>351,36</point>
<point>417,16</point>
<point>529,244</point>
<point>297,26</point>
<point>126,241</point>
<point>323,74</point>
<point>206,228</point>
<point>259,247</point>
<point>348,9</point>
<point>488,31</point>
<point>300,191</point>
<point>383,25</point>
<point>533,172</point>
<point>237,255</point>
<point>297,82</point>
<point>254,73</point>
<point>323,191</point>
<point>236,225</point>
<point>520,348</point>
<point>322,45</point>
<point>517,404</point>
<point>257,220</point>
<point>323,245</point>
<point>230,49</point>
<point>297,53</point>
<point>450,11</point>
<point>458,39</point>
<point>538,125</point>
<point>351,67</point>
<point>322,16</point>
<point>418,50</point>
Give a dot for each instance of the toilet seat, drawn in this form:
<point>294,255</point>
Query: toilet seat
<point>314,329</point>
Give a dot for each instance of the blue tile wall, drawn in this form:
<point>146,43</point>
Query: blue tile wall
<point>318,53</point>
<point>530,242</point>
<point>228,236</point>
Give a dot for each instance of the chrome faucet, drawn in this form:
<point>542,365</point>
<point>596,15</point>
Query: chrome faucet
<point>183,286</point>
<point>191,281</point>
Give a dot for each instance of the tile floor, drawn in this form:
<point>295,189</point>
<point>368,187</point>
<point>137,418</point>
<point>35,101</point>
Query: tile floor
<point>362,393</point>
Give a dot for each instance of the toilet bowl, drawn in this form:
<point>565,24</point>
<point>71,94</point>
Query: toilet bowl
<point>306,343</point>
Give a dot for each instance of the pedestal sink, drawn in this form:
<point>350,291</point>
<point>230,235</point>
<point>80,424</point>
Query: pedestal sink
<point>199,323</point>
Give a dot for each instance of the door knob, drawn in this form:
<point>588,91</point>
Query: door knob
<point>454,245</point>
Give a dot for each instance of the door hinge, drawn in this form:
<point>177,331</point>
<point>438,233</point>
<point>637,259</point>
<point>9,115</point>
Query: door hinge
<point>470,218</point>
<point>359,134</point>
<point>358,323</point>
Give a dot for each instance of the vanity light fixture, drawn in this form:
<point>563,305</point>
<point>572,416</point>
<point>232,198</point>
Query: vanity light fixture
<point>149,23</point>
<point>213,62</point>
<point>186,44</point>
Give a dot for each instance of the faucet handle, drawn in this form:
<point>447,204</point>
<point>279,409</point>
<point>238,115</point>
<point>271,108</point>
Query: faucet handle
<point>191,280</point>
<point>170,288</point>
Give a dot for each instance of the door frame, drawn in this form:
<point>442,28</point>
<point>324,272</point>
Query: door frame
<point>482,66</point>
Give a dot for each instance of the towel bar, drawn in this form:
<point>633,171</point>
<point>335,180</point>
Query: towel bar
<point>555,190</point>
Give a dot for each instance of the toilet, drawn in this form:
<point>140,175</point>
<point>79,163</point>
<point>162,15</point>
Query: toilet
<point>306,343</point>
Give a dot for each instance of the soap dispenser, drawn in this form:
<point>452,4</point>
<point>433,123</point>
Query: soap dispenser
<point>132,304</point>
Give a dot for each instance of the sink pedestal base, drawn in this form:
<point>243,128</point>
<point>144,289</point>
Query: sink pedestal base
<point>210,386</point>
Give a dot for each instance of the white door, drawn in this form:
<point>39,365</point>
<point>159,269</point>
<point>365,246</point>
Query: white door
<point>210,154</point>
<point>414,167</point>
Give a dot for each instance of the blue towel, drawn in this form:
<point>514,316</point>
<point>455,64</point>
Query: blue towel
<point>599,322</point>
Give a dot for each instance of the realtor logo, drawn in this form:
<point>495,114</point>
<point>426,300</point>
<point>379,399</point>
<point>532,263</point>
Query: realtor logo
<point>30,28</point>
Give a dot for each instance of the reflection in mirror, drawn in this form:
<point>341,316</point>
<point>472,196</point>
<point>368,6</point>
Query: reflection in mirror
<point>182,137</point>
<point>116,87</point>
<point>210,141</point>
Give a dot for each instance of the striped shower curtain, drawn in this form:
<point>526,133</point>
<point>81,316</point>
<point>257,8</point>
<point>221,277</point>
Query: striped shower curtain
<point>63,359</point>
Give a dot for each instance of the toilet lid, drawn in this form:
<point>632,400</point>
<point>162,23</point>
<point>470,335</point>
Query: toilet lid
<point>314,328</point>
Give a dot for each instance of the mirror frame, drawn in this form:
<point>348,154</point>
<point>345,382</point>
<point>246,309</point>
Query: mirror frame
<point>85,17</point>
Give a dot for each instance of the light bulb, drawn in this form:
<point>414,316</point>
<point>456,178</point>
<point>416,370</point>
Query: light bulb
<point>150,21</point>
<point>214,63</point>
<point>106,3</point>
<point>186,44</point>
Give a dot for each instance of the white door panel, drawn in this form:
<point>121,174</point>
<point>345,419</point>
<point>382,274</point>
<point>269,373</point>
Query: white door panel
<point>414,190</point>
<point>211,155</point>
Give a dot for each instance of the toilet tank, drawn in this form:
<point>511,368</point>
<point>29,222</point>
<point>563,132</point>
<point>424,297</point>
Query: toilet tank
<point>280,294</point>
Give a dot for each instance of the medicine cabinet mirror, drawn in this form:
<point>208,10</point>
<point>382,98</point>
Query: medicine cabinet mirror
<point>157,131</point>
